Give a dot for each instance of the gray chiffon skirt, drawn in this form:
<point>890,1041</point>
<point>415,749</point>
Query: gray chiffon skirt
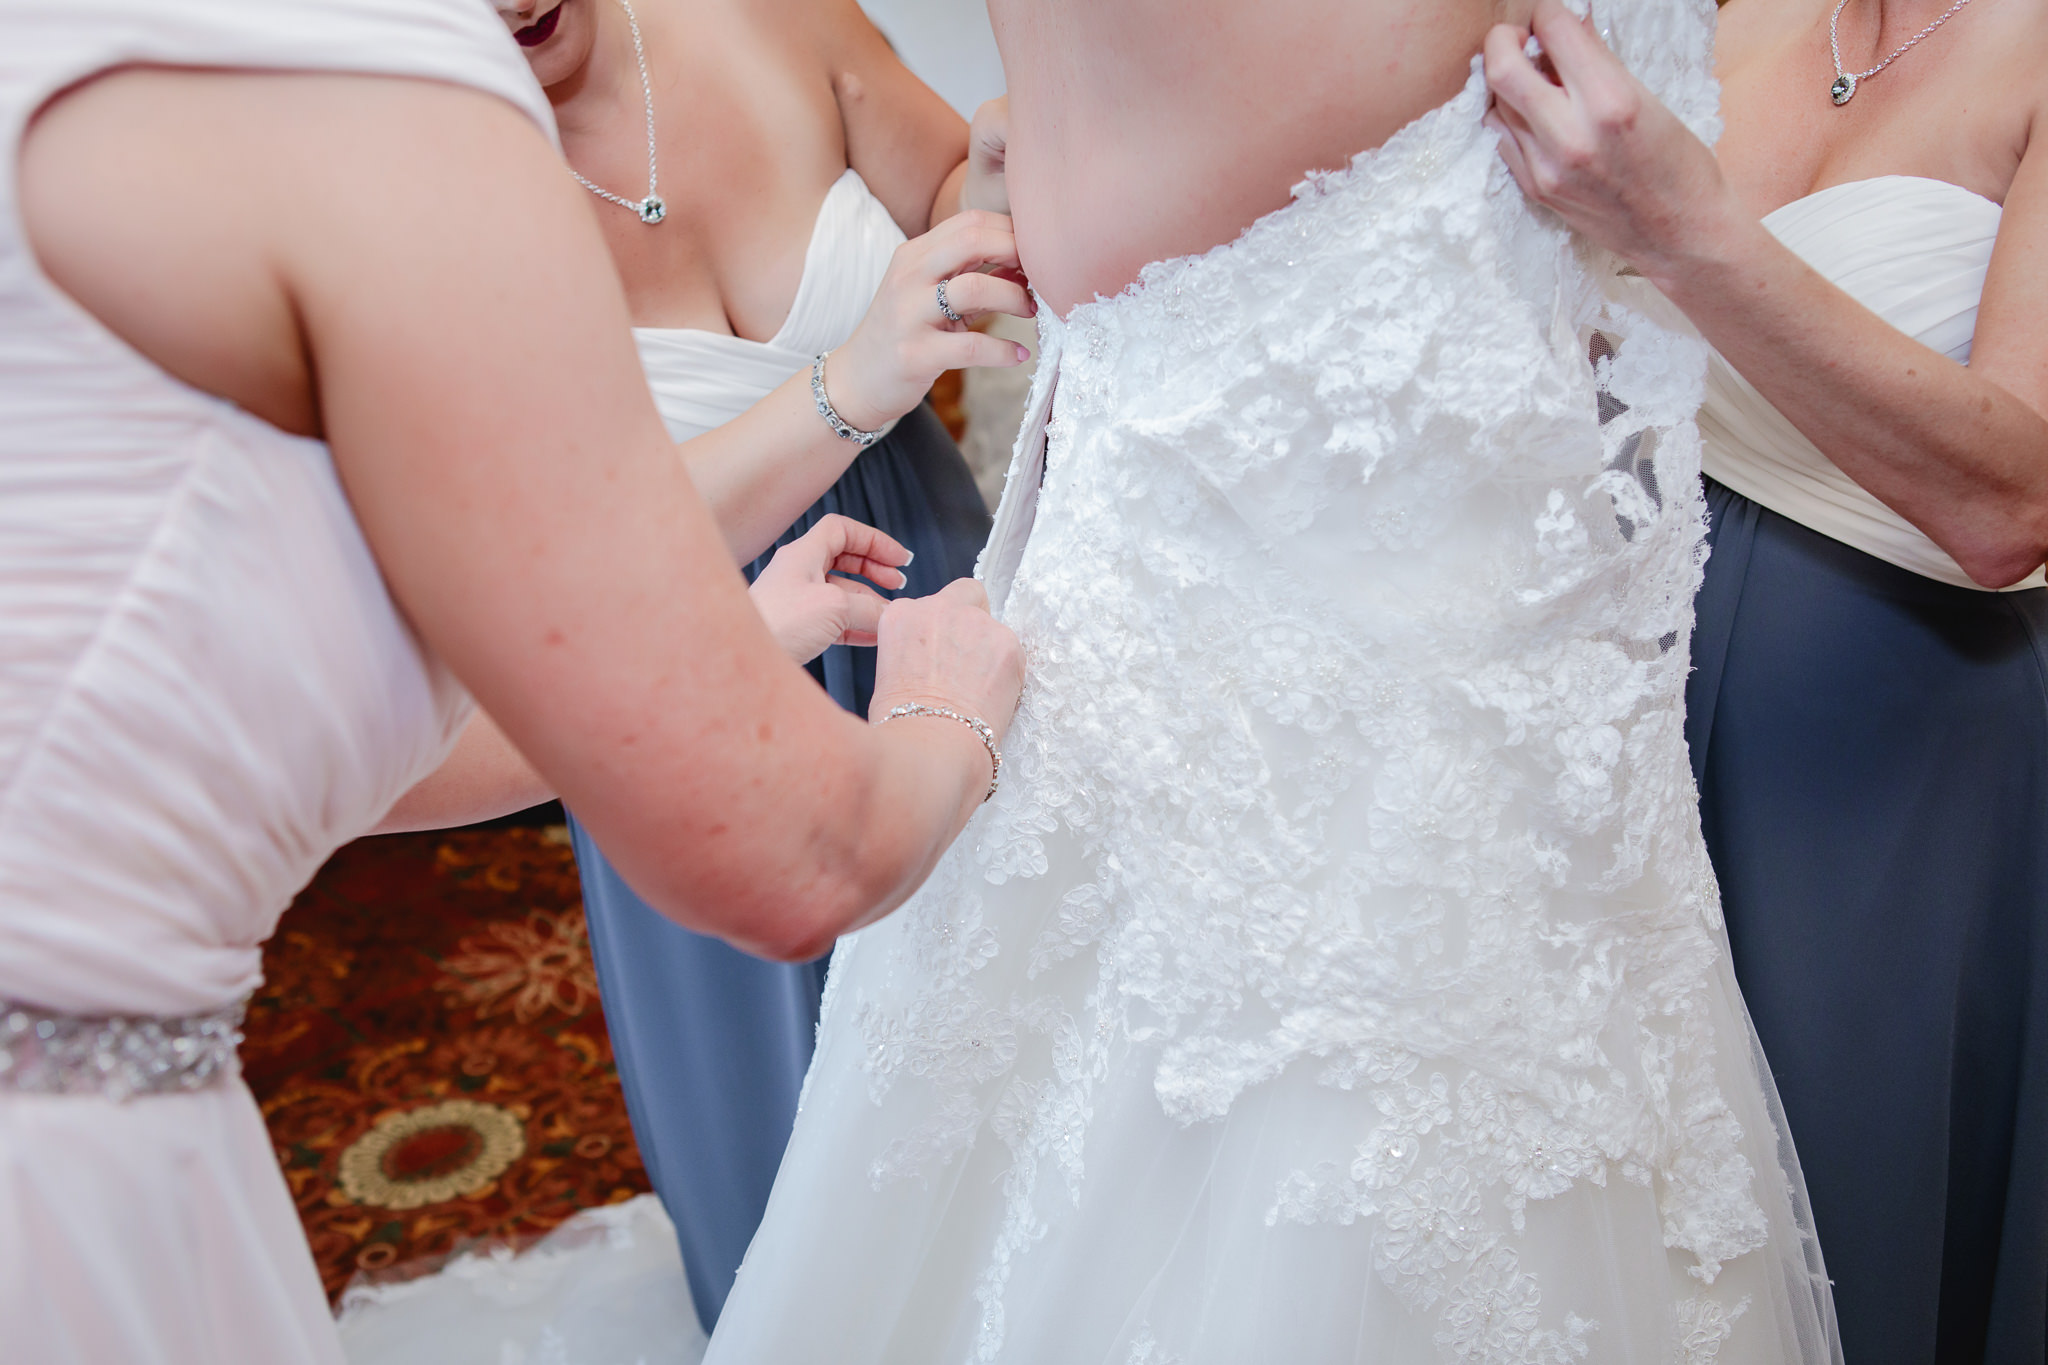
<point>1872,754</point>
<point>712,1044</point>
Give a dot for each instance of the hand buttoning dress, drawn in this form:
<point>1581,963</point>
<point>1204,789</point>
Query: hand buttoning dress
<point>205,689</point>
<point>712,1043</point>
<point>1339,974</point>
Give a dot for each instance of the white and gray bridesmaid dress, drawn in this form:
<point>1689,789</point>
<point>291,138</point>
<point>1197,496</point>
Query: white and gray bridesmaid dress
<point>1869,729</point>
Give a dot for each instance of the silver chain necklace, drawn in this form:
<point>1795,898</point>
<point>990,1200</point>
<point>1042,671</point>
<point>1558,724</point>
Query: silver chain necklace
<point>650,209</point>
<point>1844,88</point>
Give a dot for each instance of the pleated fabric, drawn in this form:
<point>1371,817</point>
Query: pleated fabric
<point>205,689</point>
<point>1915,252</point>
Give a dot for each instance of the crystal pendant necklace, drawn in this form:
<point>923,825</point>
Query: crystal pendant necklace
<point>650,209</point>
<point>1844,88</point>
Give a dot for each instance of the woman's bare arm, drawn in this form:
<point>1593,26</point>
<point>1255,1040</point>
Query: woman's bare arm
<point>760,471</point>
<point>1959,451</point>
<point>403,265</point>
<point>906,142</point>
<point>484,777</point>
<point>805,601</point>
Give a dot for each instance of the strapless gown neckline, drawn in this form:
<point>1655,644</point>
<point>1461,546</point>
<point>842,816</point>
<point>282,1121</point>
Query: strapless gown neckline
<point>816,302</point>
<point>703,379</point>
<point>1847,187</point>
<point>1915,251</point>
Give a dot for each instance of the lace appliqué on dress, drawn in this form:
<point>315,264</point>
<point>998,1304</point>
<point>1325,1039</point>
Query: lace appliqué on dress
<point>1357,606</point>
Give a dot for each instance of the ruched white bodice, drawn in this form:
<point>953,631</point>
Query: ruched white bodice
<point>1915,252</point>
<point>1337,976</point>
<point>205,688</point>
<point>705,379</point>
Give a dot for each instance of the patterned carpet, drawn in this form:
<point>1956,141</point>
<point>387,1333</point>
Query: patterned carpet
<point>429,1051</point>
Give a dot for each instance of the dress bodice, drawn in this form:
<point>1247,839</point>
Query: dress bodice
<point>1359,639</point>
<point>205,686</point>
<point>1915,252</point>
<point>705,379</point>
<point>1340,957</point>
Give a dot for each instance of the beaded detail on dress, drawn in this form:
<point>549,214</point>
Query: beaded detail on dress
<point>1431,835</point>
<point>1343,919</point>
<point>63,1054</point>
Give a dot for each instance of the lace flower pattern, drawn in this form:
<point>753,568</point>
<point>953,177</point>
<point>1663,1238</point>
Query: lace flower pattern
<point>1357,610</point>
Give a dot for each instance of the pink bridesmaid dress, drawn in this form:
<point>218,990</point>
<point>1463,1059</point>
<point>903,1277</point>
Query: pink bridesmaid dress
<point>205,688</point>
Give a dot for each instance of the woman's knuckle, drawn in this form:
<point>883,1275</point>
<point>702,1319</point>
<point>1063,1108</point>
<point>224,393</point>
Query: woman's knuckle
<point>1617,113</point>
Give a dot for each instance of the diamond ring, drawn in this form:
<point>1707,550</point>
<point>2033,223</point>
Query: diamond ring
<point>945,307</point>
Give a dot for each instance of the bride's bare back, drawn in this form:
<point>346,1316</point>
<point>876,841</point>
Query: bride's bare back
<point>1146,129</point>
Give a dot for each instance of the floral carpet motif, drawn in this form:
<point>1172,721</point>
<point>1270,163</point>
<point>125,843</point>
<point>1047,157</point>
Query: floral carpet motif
<point>429,1052</point>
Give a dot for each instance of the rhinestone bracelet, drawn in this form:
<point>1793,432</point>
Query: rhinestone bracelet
<point>843,429</point>
<point>975,723</point>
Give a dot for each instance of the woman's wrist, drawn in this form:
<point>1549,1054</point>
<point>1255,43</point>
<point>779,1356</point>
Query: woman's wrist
<point>980,728</point>
<point>848,388</point>
<point>1708,254</point>
<point>951,748</point>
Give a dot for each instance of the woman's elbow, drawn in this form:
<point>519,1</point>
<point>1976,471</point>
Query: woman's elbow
<point>801,928</point>
<point>2003,560</point>
<point>795,914</point>
<point>2001,575</point>
<point>871,878</point>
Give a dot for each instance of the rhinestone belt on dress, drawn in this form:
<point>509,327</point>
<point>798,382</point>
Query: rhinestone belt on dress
<point>46,1053</point>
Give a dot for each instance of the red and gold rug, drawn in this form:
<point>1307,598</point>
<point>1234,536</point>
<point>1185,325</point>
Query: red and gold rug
<point>429,1051</point>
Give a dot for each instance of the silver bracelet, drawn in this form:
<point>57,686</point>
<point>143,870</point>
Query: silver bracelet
<point>975,723</point>
<point>843,429</point>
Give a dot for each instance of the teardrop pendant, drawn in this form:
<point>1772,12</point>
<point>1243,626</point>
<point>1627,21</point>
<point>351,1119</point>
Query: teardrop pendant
<point>1843,90</point>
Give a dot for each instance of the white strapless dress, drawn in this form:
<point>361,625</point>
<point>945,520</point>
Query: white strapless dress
<point>1929,289</point>
<point>1338,975</point>
<point>702,380</point>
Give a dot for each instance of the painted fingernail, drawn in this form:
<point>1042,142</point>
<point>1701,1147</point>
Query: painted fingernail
<point>908,555</point>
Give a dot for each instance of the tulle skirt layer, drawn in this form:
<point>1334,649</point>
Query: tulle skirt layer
<point>604,1288</point>
<point>1157,1241</point>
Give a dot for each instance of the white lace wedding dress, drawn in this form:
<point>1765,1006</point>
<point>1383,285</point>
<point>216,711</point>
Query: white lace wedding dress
<point>1338,975</point>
